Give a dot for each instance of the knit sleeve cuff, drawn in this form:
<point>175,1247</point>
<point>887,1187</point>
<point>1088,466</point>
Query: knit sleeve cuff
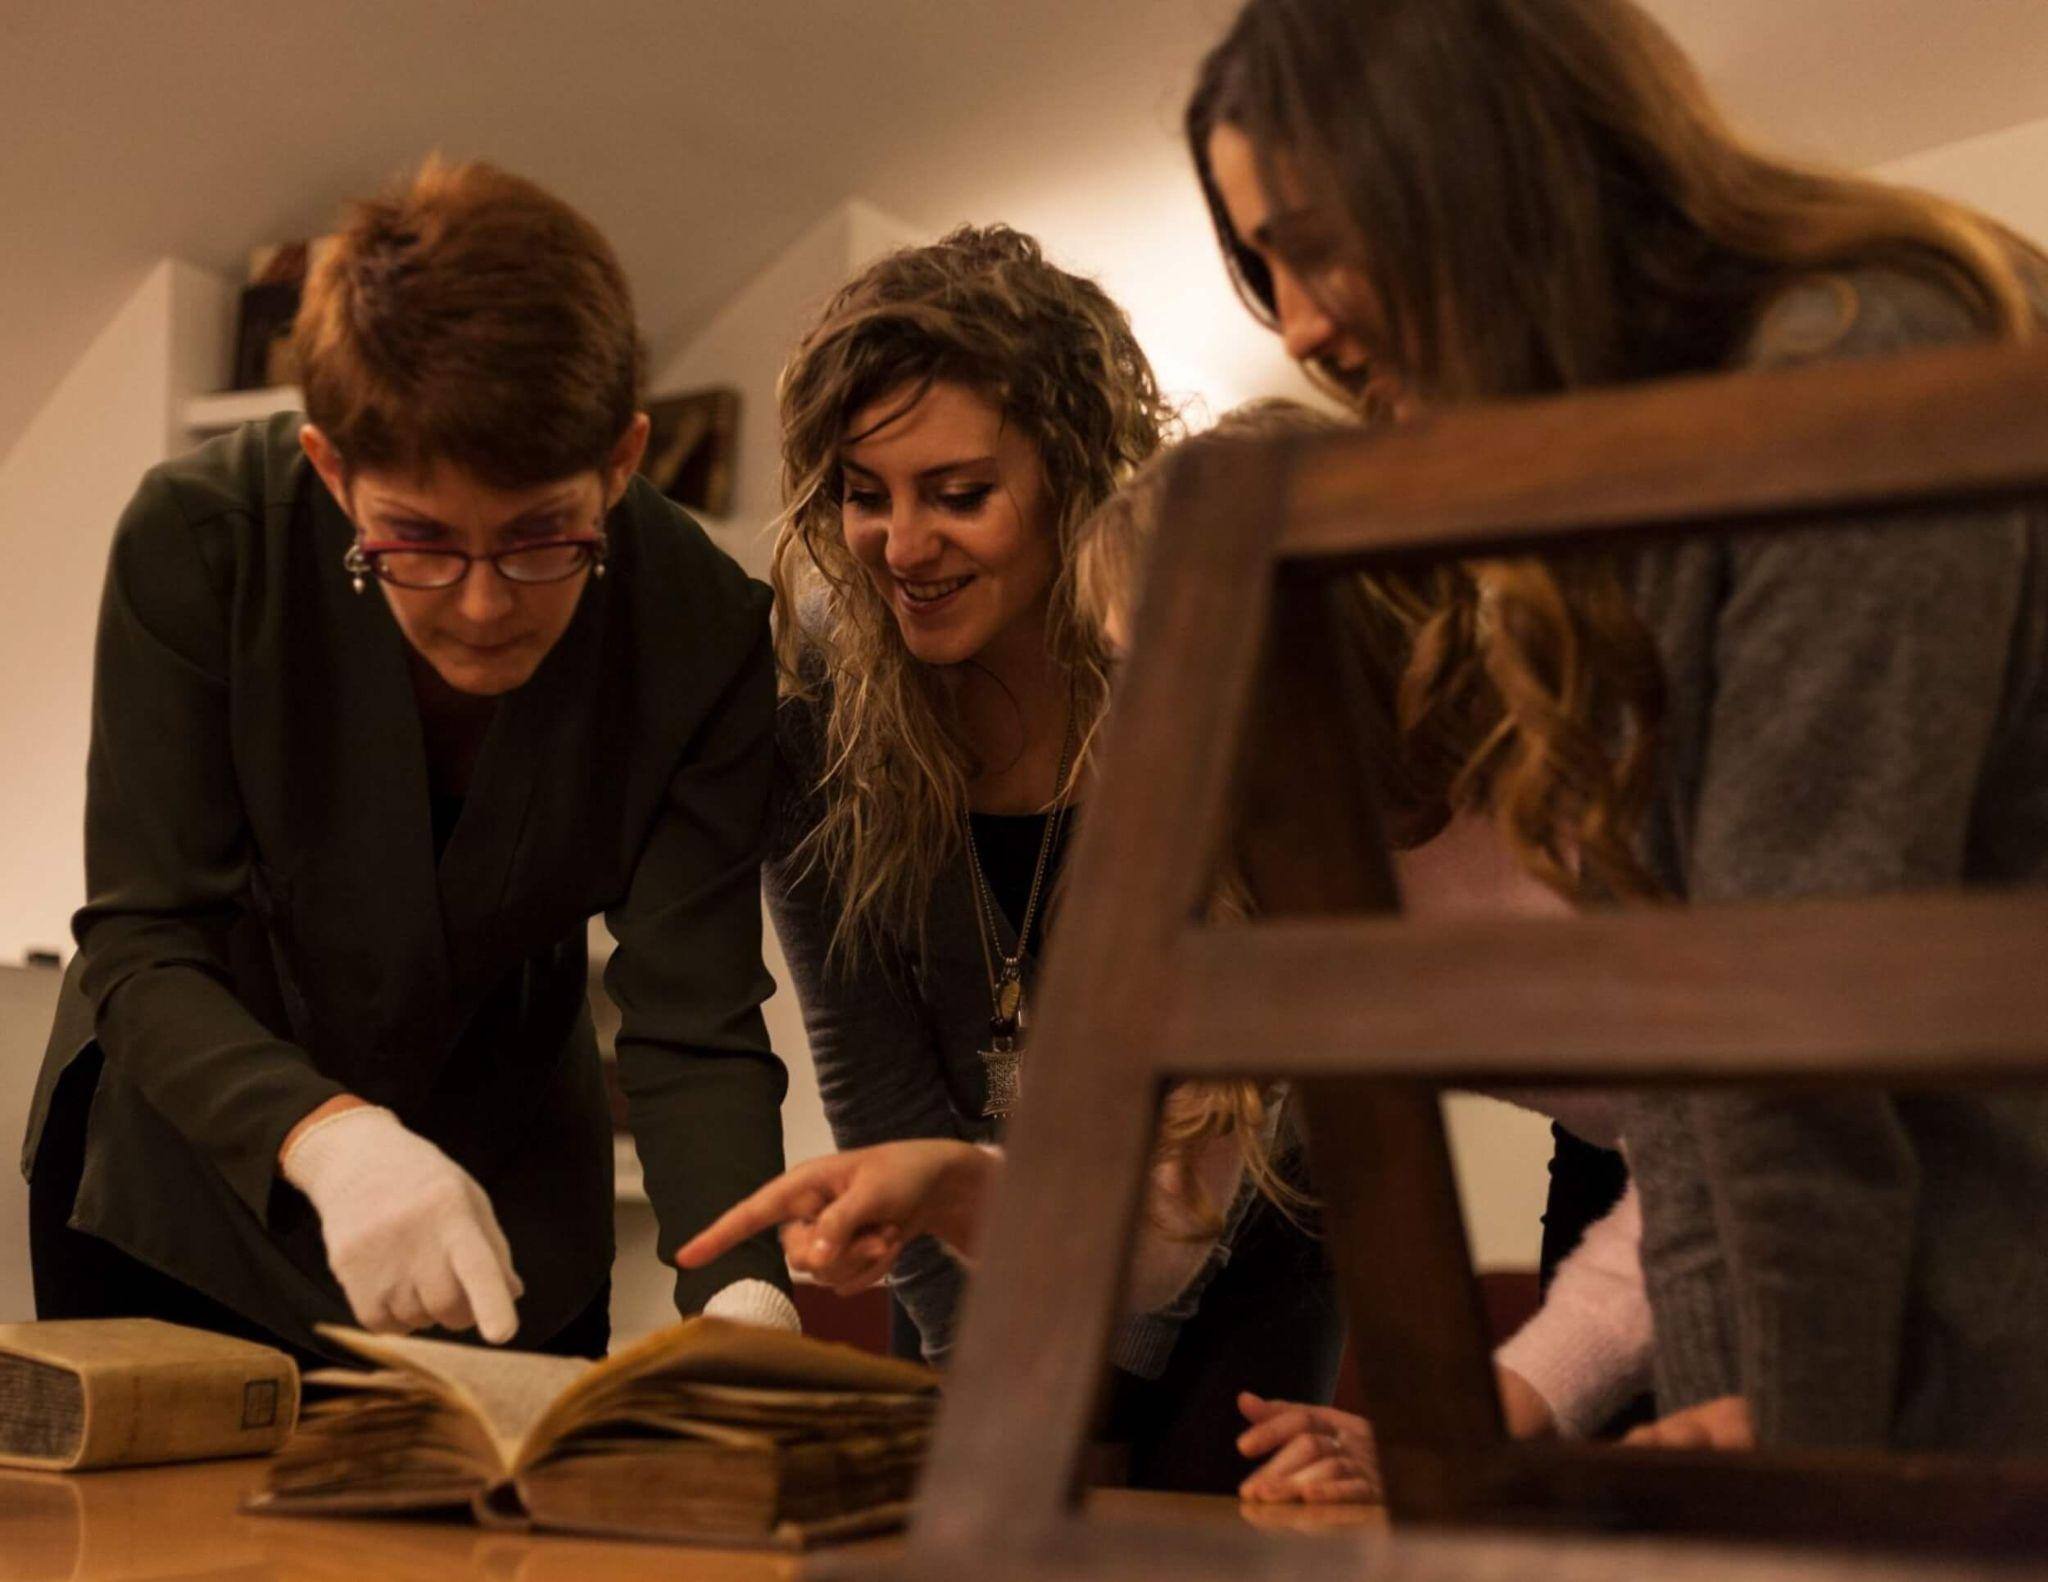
<point>1143,1344</point>
<point>1585,1374</point>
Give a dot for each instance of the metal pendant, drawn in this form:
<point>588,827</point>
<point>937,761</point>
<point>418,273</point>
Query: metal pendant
<point>1010,994</point>
<point>1001,1067</point>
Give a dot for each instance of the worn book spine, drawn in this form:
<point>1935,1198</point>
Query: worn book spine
<point>71,1403</point>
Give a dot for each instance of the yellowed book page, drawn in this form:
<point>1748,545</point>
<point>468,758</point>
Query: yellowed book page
<point>156,1392</point>
<point>718,1351</point>
<point>508,1392</point>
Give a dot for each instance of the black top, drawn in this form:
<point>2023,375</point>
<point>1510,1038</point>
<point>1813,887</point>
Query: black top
<point>446,813</point>
<point>1008,844</point>
<point>1586,1182</point>
<point>276,914</point>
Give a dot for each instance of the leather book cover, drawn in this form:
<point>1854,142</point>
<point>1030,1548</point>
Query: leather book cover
<point>117,1392</point>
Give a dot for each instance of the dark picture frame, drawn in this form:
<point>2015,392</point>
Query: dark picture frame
<point>263,320</point>
<point>263,328</point>
<point>693,448</point>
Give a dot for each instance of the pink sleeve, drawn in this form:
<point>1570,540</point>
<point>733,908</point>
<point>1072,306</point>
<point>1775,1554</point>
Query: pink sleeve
<point>1587,1350</point>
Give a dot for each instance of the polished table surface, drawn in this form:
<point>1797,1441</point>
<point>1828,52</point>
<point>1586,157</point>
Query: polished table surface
<point>184,1524</point>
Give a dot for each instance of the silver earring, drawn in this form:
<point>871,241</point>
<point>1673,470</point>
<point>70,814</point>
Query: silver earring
<point>356,564</point>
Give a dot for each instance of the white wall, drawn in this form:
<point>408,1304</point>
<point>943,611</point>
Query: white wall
<point>745,346</point>
<point>62,488</point>
<point>2003,173</point>
<point>1501,1157</point>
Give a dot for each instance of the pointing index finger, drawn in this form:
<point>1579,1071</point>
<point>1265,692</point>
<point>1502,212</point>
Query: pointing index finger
<point>791,1196</point>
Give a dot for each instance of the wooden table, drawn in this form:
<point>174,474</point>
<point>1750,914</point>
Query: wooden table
<point>184,1524</point>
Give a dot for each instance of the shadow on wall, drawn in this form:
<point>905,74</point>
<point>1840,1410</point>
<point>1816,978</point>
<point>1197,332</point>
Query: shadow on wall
<point>28,997</point>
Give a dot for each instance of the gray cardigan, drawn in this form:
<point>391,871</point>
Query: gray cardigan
<point>896,1046</point>
<point>1853,710</point>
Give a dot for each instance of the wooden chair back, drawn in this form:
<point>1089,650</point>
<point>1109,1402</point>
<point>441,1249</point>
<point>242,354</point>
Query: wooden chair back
<point>1237,729</point>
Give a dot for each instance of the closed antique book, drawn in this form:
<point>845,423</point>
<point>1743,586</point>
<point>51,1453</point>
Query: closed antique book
<point>119,1392</point>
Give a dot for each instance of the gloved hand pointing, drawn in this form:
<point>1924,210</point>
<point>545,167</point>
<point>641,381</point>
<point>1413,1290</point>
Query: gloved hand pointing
<point>410,1235</point>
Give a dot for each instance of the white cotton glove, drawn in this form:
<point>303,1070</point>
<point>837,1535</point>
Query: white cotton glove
<point>755,1302</point>
<point>410,1235</point>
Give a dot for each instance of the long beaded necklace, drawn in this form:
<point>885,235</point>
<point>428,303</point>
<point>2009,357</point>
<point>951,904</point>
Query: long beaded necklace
<point>1001,1058</point>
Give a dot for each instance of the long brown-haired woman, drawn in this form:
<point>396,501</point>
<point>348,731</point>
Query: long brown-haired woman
<point>955,415</point>
<point>1438,201</point>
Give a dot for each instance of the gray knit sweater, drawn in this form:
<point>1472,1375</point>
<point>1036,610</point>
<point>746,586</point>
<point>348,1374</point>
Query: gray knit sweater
<point>1853,709</point>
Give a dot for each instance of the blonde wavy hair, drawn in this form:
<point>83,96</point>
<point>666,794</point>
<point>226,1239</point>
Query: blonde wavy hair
<point>984,309</point>
<point>1539,196</point>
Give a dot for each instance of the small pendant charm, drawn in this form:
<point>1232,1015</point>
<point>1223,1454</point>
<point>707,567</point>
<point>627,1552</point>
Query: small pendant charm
<point>1001,1063</point>
<point>1010,994</point>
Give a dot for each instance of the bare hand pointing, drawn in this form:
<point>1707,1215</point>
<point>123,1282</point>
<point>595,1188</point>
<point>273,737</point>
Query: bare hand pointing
<point>845,1217</point>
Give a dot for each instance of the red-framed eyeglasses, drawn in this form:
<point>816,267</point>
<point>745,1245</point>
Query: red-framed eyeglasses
<point>414,566</point>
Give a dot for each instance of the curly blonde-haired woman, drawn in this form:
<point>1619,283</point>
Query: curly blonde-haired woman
<point>956,414</point>
<point>1439,201</point>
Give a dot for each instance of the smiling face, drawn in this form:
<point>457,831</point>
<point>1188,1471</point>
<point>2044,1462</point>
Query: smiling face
<point>487,634</point>
<point>945,507</point>
<point>1328,315</point>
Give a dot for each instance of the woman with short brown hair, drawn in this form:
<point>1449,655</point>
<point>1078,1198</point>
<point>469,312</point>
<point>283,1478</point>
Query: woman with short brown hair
<point>389,701</point>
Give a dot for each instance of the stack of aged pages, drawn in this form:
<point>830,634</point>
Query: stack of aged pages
<point>709,1432</point>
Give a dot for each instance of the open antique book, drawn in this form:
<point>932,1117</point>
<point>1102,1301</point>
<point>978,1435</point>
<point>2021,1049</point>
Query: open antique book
<point>708,1432</point>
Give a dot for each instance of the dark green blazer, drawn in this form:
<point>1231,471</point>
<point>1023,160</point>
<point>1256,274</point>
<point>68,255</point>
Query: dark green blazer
<point>267,924</point>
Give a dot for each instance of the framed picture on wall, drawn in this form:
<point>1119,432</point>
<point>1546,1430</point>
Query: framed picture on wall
<point>263,335</point>
<point>693,448</point>
<point>269,304</point>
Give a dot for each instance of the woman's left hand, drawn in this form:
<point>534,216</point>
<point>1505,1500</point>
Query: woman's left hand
<point>1315,1454</point>
<point>1720,1424</point>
